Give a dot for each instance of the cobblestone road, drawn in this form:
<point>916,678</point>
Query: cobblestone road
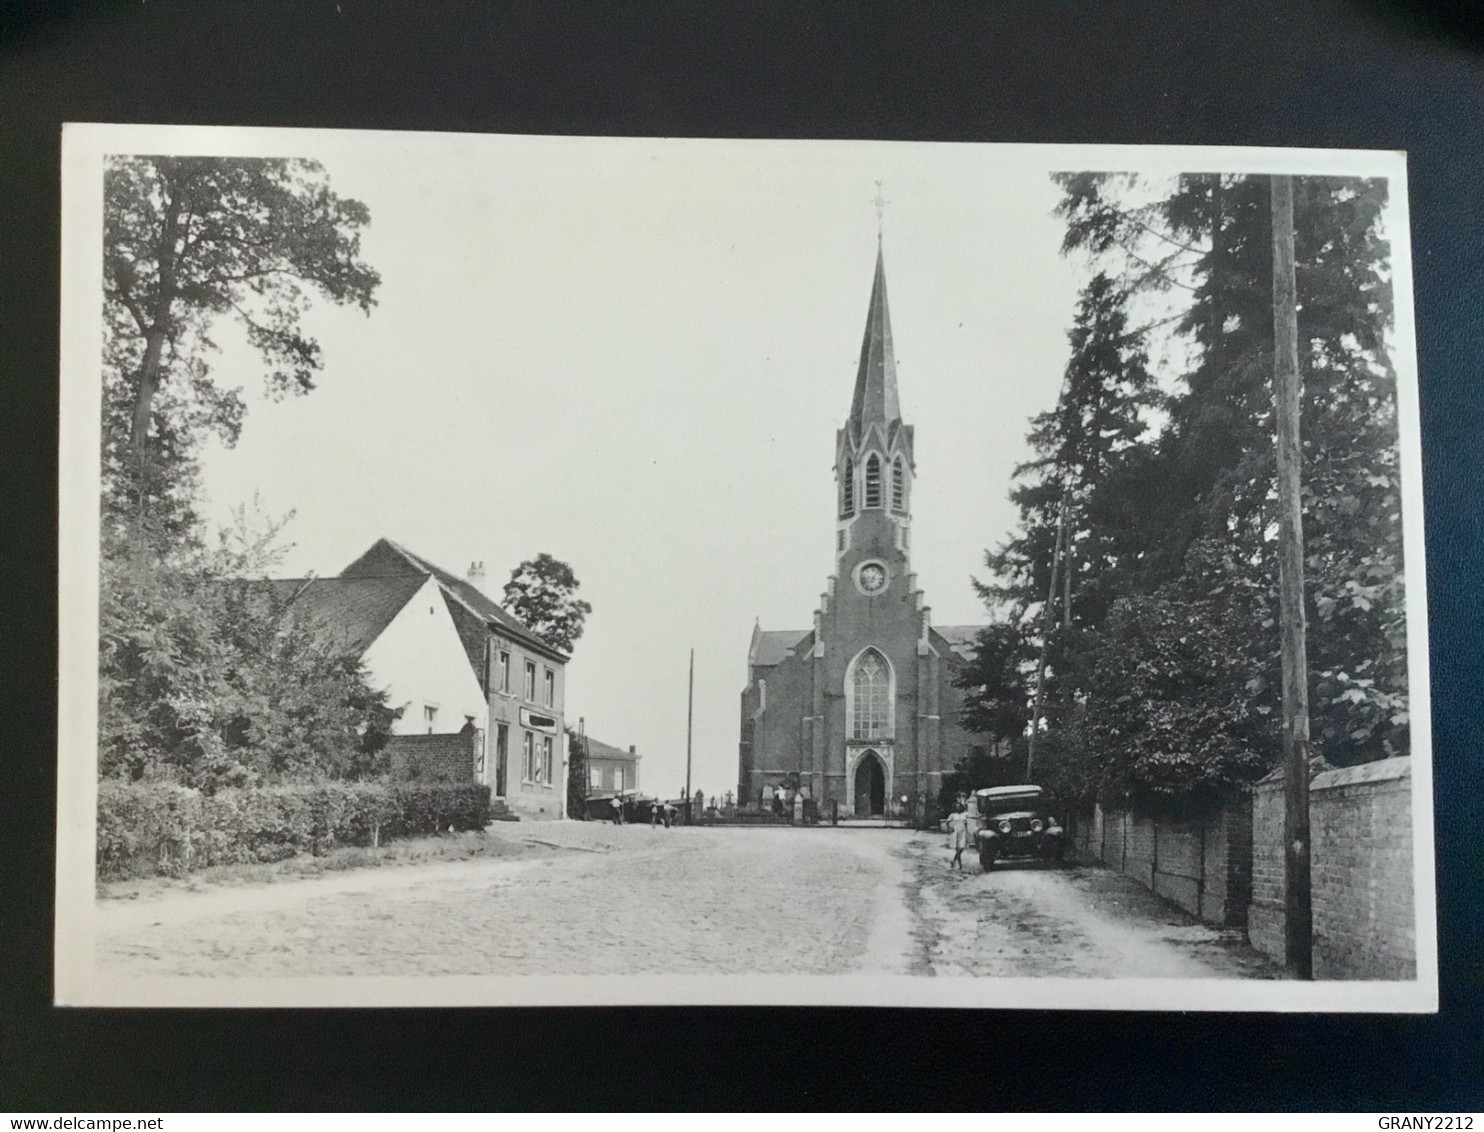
<point>598,899</point>
<point>620,900</point>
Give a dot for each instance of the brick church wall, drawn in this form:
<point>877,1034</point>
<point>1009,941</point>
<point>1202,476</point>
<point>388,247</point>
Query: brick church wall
<point>1361,862</point>
<point>777,738</point>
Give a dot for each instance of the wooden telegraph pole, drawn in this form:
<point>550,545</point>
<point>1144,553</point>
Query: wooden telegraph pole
<point>1298,937</point>
<point>690,716</point>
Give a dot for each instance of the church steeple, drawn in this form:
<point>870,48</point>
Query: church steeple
<point>873,452</point>
<point>875,400</point>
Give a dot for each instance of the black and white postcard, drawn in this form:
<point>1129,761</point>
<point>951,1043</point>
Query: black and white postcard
<point>567,570</point>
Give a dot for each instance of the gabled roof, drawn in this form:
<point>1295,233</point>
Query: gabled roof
<point>600,750</point>
<point>961,639</point>
<point>471,609</point>
<point>773,645</point>
<point>875,400</point>
<point>355,610</point>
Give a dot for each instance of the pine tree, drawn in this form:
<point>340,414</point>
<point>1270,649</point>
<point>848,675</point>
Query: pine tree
<point>1051,579</point>
<point>1163,662</point>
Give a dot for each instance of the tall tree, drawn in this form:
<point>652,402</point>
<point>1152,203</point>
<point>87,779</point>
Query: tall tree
<point>1220,438</point>
<point>186,240</point>
<point>1050,580</point>
<point>542,594</point>
<point>577,778</point>
<point>201,678</point>
<point>1163,657</point>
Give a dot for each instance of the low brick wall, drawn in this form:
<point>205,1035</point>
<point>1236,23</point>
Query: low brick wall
<point>1203,867</point>
<point>1360,820</point>
<point>435,758</point>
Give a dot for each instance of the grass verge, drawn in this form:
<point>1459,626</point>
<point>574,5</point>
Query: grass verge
<point>406,851</point>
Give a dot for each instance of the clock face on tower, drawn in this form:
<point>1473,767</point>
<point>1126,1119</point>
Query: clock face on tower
<point>871,578</point>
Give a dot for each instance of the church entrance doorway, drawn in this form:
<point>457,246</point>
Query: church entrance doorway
<point>870,787</point>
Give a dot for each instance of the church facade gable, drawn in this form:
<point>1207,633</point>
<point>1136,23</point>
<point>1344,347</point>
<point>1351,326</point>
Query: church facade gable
<point>861,715</point>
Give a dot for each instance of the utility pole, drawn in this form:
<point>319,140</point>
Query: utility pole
<point>1298,936</point>
<point>690,716</point>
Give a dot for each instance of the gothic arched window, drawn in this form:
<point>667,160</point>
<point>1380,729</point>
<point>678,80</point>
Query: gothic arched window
<point>898,485</point>
<point>870,697</point>
<point>873,481</point>
<point>847,489</point>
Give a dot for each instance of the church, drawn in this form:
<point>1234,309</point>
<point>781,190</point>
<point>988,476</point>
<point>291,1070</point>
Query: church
<point>860,712</point>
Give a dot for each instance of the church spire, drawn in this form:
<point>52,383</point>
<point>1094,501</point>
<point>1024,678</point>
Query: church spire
<point>873,452</point>
<point>875,400</point>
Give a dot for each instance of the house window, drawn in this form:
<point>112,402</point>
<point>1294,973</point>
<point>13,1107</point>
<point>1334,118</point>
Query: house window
<point>503,673</point>
<point>618,778</point>
<point>549,690</point>
<point>430,713</point>
<point>546,753</point>
<point>528,763</point>
<point>531,681</point>
<point>595,778</point>
<point>847,489</point>
<point>871,698</point>
<point>840,540</point>
<point>873,481</point>
<point>898,485</point>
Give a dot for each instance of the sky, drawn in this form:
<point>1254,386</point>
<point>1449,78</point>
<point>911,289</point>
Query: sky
<point>633,354</point>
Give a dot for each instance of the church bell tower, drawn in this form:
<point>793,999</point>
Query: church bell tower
<point>873,458</point>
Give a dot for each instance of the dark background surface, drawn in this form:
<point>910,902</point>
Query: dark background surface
<point>1358,74</point>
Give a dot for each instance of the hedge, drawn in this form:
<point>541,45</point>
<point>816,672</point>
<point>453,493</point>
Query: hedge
<point>159,827</point>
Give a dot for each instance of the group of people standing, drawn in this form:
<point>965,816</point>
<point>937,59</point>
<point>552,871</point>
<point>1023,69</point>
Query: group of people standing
<point>786,802</point>
<point>659,812</point>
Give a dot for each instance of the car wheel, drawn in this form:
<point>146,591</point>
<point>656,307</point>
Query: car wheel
<point>986,858</point>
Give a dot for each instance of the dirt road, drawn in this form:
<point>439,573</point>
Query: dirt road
<point>629,900</point>
<point>1031,919</point>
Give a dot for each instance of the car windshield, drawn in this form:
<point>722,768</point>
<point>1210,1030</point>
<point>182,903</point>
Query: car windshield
<point>1016,802</point>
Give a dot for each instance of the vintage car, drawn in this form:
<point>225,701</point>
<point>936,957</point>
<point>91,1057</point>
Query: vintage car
<point>1014,822</point>
<point>636,806</point>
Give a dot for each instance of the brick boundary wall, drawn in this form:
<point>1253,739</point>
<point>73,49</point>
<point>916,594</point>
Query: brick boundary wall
<point>434,758</point>
<point>1360,821</point>
<point>1204,867</point>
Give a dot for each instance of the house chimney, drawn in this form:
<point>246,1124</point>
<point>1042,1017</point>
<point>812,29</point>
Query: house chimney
<point>476,575</point>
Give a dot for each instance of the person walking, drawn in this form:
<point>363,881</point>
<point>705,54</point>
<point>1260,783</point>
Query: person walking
<point>617,803</point>
<point>958,835</point>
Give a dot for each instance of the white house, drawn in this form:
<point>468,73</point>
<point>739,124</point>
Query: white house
<point>457,665</point>
<point>406,636</point>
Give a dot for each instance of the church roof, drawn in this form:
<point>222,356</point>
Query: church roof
<point>875,400</point>
<point>773,645</point>
<point>962,639</point>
